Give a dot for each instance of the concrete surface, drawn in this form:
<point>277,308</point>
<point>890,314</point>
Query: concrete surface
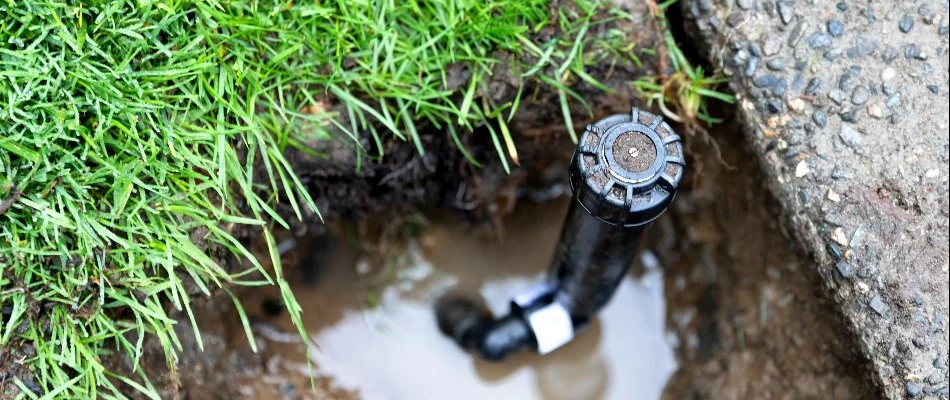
<point>845,104</point>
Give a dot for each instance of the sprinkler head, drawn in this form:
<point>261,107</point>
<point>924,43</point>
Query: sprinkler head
<point>627,167</point>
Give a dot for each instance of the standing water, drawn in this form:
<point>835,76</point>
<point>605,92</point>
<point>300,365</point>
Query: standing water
<point>394,350</point>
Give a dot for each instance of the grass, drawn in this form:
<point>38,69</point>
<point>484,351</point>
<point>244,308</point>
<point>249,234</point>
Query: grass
<point>681,96</point>
<point>133,133</point>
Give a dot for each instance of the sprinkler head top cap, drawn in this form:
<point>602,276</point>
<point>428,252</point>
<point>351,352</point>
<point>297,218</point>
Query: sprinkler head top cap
<point>627,168</point>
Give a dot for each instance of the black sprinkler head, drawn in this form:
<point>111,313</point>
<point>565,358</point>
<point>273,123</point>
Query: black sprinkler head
<point>624,175</point>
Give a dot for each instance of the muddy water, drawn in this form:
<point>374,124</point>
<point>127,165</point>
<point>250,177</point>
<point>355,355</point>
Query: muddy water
<point>377,337</point>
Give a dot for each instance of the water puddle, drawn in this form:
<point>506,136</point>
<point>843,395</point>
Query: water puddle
<point>393,350</point>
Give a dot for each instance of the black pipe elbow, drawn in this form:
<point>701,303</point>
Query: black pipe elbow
<point>474,329</point>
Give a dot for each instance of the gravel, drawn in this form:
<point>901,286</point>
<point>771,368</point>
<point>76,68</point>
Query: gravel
<point>850,137</point>
<point>820,118</point>
<point>836,96</point>
<point>844,269</point>
<point>927,13</point>
<point>773,44</point>
<point>911,51</point>
<point>751,66</point>
<point>819,41</point>
<point>777,64</point>
<point>889,54</point>
<point>860,95</point>
<point>813,86</point>
<point>846,82</point>
<point>781,86</point>
<point>835,28</point>
<point>842,6</point>
<point>933,89</point>
<point>798,31</point>
<point>877,305</point>
<point>913,389</point>
<point>833,54</point>
<point>765,81</point>
<point>863,47</point>
<point>888,73</point>
<point>906,23</point>
<point>785,11</point>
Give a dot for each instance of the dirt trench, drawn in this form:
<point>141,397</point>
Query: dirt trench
<point>745,313</point>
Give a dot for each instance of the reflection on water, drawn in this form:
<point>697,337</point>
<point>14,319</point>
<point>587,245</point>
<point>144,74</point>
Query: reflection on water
<point>395,350</point>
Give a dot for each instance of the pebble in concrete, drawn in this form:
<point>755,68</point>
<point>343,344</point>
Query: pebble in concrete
<point>835,28</point>
<point>906,23</point>
<point>860,95</point>
<point>819,41</point>
<point>820,118</point>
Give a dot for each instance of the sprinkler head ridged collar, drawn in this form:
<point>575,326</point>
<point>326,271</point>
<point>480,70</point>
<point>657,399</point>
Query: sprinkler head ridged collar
<point>627,168</point>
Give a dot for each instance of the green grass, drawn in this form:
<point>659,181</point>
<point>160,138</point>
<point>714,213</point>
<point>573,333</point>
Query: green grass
<point>133,133</point>
<point>681,96</point>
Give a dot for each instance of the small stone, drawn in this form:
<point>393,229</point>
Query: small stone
<point>863,287</point>
<point>944,29</point>
<point>877,305</point>
<point>927,13</point>
<point>798,82</point>
<point>836,96</point>
<point>932,173</point>
<point>814,84</point>
<point>844,269</point>
<point>839,237</point>
<point>933,89</point>
<point>888,89</point>
<point>850,137</point>
<point>850,116</point>
<point>906,23</point>
<point>835,197</point>
<point>863,47</point>
<point>735,19</point>
<point>846,82</point>
<point>772,45</point>
<point>765,81</point>
<point>785,11</point>
<point>911,51</point>
<point>860,95</point>
<point>835,28</point>
<point>775,106</point>
<point>751,66</point>
<point>889,54</point>
<point>744,4</point>
<point>893,101</point>
<point>833,54</point>
<point>869,15</point>
<point>842,6</point>
<point>796,105</point>
<point>755,50</point>
<point>801,64</point>
<point>797,33</point>
<point>820,118</point>
<point>781,86</point>
<point>888,73</point>
<point>876,110</point>
<point>819,40</point>
<point>777,64</point>
<point>913,389</point>
<point>801,169</point>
